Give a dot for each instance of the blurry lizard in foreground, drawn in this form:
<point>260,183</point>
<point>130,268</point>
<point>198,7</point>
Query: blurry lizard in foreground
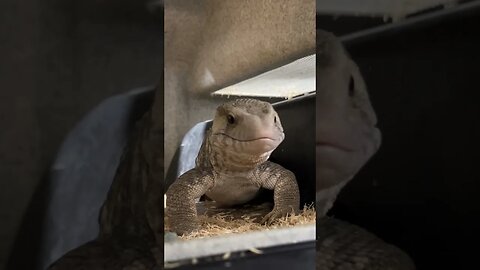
<point>346,138</point>
<point>232,166</point>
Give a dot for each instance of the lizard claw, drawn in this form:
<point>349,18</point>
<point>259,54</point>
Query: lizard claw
<point>186,228</point>
<point>276,213</point>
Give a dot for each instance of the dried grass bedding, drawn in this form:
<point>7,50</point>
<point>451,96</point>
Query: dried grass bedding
<point>216,221</point>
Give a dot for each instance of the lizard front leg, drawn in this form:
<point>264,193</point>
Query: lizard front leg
<point>181,199</point>
<point>286,195</point>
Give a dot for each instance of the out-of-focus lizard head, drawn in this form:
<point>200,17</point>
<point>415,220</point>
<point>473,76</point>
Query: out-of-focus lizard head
<point>247,126</point>
<point>346,132</point>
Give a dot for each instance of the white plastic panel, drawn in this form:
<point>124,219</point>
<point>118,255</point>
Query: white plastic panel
<point>291,80</point>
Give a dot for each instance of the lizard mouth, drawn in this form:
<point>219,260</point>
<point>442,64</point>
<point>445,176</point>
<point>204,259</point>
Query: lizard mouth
<point>331,145</point>
<point>250,140</point>
<point>254,146</point>
<point>340,157</point>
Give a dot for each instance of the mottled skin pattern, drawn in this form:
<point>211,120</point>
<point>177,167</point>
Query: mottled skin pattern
<point>232,166</point>
<point>131,219</point>
<point>346,138</point>
<point>346,246</point>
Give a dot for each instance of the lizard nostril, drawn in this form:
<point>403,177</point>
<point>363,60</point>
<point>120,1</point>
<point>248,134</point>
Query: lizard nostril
<point>351,87</point>
<point>275,119</point>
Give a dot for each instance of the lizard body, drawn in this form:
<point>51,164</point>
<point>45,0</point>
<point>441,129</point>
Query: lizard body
<point>232,165</point>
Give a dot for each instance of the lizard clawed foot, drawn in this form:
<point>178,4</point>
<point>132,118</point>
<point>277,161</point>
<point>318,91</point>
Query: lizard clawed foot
<point>277,213</point>
<point>185,228</point>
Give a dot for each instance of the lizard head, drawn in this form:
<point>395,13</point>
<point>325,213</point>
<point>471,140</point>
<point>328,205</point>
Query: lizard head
<point>346,132</point>
<point>247,126</point>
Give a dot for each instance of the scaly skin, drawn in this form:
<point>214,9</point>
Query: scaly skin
<point>345,246</point>
<point>232,166</point>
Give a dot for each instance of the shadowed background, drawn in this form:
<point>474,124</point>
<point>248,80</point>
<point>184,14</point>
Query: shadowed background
<point>59,59</point>
<point>420,191</point>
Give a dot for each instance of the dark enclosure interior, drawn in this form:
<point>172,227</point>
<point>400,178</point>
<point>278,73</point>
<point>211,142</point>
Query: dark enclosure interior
<point>420,191</point>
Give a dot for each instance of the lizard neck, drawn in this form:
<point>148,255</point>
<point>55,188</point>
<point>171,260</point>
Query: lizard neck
<point>227,159</point>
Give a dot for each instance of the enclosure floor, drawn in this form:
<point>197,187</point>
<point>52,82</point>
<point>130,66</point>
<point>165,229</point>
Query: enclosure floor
<point>216,221</point>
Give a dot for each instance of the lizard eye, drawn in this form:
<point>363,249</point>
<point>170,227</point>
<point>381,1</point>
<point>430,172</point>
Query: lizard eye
<point>231,119</point>
<point>351,87</point>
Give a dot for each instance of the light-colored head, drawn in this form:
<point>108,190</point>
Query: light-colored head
<point>247,130</point>
<point>346,133</point>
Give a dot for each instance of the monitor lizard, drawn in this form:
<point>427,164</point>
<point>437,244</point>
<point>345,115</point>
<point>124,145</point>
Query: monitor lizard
<point>232,166</point>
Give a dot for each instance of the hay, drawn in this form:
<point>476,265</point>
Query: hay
<point>221,221</point>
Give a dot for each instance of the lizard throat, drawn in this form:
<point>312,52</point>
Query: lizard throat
<point>226,159</point>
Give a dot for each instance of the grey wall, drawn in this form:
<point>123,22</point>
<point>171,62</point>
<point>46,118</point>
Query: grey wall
<point>58,59</point>
<point>210,44</point>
